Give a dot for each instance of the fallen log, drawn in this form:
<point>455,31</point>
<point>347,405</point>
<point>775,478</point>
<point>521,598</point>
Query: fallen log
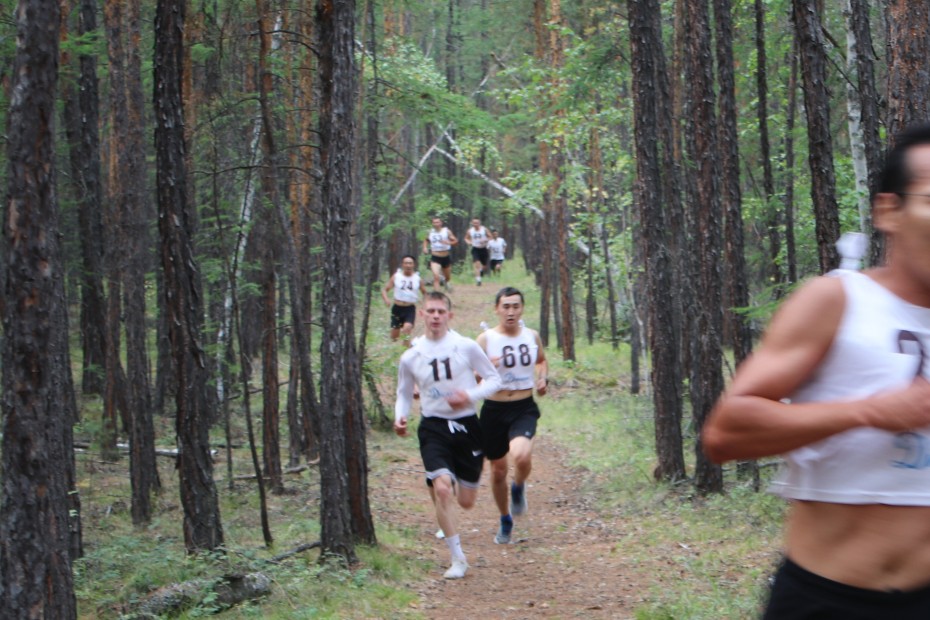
<point>219,594</point>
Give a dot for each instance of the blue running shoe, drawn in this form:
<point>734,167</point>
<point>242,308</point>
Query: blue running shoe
<point>504,531</point>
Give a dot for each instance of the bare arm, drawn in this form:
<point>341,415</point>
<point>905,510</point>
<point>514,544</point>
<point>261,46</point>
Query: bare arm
<point>750,420</point>
<point>542,367</point>
<point>388,286</point>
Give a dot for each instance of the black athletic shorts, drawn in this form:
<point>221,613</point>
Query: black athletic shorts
<point>481,255</point>
<point>798,594</point>
<point>442,261</point>
<point>452,447</point>
<point>495,263</point>
<point>401,315</point>
<point>502,421</point>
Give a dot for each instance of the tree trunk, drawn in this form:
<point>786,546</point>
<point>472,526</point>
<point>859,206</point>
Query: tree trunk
<point>35,560</point>
<point>81,109</point>
<point>203,530</point>
<point>704,153</point>
<point>908,74</point>
<point>819,133</point>
<point>868,106</point>
<point>772,219</point>
<point>342,422</point>
<point>649,197</point>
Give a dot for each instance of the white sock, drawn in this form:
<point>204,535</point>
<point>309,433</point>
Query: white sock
<point>455,547</point>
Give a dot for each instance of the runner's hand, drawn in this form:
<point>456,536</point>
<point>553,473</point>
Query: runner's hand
<point>400,427</point>
<point>900,410</point>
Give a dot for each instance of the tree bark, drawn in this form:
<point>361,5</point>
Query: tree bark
<point>819,133</point>
<point>342,422</point>
<point>81,111</point>
<point>908,74</point>
<point>203,530</point>
<point>35,560</point>
<point>649,197</point>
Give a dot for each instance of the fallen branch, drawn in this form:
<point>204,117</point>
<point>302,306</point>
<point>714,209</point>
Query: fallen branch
<point>298,549</point>
<point>229,590</point>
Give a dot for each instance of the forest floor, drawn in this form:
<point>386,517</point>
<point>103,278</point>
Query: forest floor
<point>564,562</point>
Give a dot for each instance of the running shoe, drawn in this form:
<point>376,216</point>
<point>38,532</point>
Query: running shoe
<point>457,570</point>
<point>517,499</point>
<point>504,531</point>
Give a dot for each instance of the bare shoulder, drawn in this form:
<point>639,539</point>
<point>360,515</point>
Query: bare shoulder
<point>796,341</point>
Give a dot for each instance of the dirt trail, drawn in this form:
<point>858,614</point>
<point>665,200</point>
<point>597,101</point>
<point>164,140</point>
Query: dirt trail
<point>565,561</point>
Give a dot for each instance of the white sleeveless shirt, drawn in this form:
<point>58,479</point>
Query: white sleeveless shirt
<point>517,357</point>
<point>406,288</point>
<point>881,343</point>
<point>479,237</point>
<point>439,240</point>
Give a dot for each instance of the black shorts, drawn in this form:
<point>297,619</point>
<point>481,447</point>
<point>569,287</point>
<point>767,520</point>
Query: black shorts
<point>481,255</point>
<point>442,261</point>
<point>401,315</point>
<point>502,421</point>
<point>496,263</point>
<point>452,447</point>
<point>798,594</point>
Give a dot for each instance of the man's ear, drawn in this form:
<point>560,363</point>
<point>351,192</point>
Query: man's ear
<point>887,209</point>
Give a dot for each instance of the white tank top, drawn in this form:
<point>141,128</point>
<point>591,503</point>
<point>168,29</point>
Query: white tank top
<point>406,288</point>
<point>882,343</point>
<point>439,240</point>
<point>498,247</point>
<point>479,237</point>
<point>517,357</point>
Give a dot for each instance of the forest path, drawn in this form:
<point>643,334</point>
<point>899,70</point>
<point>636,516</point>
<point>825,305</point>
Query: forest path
<point>565,561</point>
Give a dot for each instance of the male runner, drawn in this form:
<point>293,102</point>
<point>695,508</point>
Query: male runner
<point>438,244</point>
<point>407,286</point>
<point>498,249</point>
<point>477,237</point>
<point>508,417</point>
<point>443,365</point>
<point>840,386</point>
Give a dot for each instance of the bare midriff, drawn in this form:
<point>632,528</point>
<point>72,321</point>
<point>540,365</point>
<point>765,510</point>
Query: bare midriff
<point>506,396</point>
<point>403,304</point>
<point>439,252</point>
<point>872,546</point>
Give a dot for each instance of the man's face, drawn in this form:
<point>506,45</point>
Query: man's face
<point>436,315</point>
<point>437,223</point>
<point>911,219</point>
<point>509,311</point>
<point>407,265</point>
<point>476,223</point>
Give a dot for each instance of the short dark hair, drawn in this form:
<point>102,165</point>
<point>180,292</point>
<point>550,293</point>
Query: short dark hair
<point>507,291</point>
<point>440,296</point>
<point>410,256</point>
<point>895,176</point>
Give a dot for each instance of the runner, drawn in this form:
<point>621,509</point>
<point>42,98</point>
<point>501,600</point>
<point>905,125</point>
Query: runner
<point>438,244</point>
<point>840,386</point>
<point>498,248</point>
<point>509,416</point>
<point>443,365</point>
<point>407,286</point>
<point>477,237</point>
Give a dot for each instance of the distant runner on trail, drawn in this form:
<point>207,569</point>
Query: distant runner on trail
<point>840,387</point>
<point>443,364</point>
<point>509,416</point>
<point>438,244</point>
<point>407,286</point>
<point>478,237</point>
<point>498,248</point>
